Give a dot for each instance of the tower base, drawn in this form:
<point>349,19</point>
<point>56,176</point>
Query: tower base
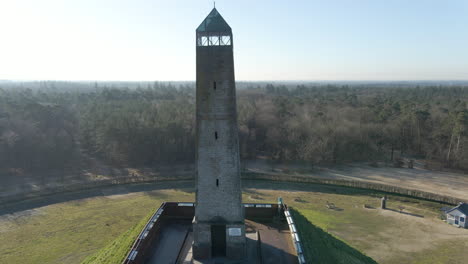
<point>218,239</point>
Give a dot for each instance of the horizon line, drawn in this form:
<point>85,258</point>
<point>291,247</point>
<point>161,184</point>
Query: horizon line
<point>310,80</point>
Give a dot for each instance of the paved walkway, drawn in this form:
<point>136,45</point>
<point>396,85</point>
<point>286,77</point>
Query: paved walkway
<point>170,243</point>
<point>266,243</point>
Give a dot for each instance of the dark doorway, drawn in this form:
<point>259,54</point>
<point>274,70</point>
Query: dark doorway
<point>218,240</point>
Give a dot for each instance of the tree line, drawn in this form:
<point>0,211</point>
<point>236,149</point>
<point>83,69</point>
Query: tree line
<point>154,123</point>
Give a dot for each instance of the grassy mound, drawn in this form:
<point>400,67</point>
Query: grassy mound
<point>319,246</point>
<point>101,229</point>
<point>116,251</point>
<point>322,247</point>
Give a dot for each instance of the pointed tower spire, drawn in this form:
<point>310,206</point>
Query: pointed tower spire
<point>214,22</point>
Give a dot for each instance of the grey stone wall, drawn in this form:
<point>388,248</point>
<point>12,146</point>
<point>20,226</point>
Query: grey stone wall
<point>218,182</point>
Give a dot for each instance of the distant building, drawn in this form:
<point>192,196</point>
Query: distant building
<point>457,215</point>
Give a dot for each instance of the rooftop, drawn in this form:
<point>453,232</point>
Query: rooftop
<point>463,207</point>
<point>214,22</point>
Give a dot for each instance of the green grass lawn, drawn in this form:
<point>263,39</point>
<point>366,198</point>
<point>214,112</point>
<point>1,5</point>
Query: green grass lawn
<point>70,232</point>
<point>116,251</point>
<point>322,247</point>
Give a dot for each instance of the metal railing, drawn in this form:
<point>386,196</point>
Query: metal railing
<point>141,239</point>
<point>294,234</point>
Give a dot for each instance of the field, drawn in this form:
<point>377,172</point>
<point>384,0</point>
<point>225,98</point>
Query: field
<point>69,231</point>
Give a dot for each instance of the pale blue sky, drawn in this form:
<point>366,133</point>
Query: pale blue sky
<point>273,40</point>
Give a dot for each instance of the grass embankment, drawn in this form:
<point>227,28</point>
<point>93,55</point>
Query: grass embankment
<point>70,232</point>
<point>319,246</point>
<point>116,251</point>
<point>322,247</point>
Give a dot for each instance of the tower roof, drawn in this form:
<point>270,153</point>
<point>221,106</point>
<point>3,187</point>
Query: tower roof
<point>214,22</point>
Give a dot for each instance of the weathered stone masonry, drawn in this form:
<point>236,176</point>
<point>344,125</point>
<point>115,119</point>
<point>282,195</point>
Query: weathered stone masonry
<point>219,216</point>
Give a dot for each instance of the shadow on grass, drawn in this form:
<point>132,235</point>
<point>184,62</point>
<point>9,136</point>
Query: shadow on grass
<point>403,212</point>
<point>307,187</point>
<point>323,248</point>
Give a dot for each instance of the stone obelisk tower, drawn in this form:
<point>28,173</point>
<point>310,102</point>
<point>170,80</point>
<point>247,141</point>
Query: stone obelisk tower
<point>218,226</point>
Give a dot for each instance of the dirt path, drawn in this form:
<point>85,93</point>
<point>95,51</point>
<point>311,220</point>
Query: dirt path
<point>114,192</point>
<point>444,183</point>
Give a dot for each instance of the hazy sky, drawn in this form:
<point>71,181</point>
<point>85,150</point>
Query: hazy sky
<point>273,40</point>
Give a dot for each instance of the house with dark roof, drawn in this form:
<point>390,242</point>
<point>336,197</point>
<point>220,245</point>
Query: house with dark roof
<point>457,215</point>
